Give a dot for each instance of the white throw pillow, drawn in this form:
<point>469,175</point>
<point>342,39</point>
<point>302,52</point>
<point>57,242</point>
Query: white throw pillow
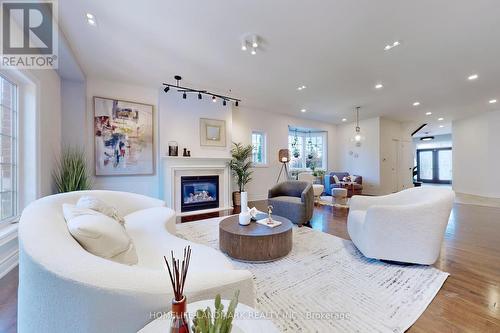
<point>100,235</point>
<point>336,179</point>
<point>90,202</point>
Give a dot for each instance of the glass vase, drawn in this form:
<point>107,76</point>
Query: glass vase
<point>180,318</point>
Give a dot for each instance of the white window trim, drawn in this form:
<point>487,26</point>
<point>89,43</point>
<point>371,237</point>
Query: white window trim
<point>28,90</point>
<point>15,162</point>
<point>266,157</point>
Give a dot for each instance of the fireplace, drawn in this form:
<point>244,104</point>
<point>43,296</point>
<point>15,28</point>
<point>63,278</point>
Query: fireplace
<point>199,192</point>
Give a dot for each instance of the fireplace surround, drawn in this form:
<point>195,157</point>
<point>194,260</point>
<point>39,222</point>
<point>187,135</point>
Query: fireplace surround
<point>174,168</point>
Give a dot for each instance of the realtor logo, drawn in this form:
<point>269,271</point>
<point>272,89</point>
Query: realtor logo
<point>29,35</point>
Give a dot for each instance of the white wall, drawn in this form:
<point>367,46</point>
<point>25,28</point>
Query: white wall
<point>363,160</point>
<point>147,185</point>
<point>180,121</point>
<point>74,127</point>
<point>276,127</point>
<point>476,158</point>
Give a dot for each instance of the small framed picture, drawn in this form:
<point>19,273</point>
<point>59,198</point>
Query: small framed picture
<point>212,132</point>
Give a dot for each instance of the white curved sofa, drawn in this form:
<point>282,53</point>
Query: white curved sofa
<point>407,226</point>
<point>63,288</point>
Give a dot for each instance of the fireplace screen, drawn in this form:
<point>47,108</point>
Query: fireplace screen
<point>199,192</point>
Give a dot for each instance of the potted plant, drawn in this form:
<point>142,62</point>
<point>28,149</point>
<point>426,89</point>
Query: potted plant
<point>71,173</point>
<point>295,146</point>
<point>240,165</point>
<point>215,320</point>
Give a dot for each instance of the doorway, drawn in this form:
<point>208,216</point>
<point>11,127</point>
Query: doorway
<point>434,165</point>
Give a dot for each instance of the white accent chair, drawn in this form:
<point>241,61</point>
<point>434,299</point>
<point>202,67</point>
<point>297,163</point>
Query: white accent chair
<point>63,288</point>
<point>318,189</point>
<point>407,226</point>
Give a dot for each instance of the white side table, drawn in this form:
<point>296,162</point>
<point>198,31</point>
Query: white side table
<point>246,319</point>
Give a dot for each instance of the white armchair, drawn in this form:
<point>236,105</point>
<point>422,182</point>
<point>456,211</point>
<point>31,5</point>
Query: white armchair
<point>407,226</point>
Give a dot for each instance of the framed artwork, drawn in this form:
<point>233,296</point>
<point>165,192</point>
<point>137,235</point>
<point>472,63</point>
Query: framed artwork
<point>123,138</point>
<point>212,132</point>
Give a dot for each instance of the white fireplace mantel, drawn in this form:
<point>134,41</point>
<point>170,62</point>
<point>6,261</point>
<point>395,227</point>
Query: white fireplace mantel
<point>176,167</point>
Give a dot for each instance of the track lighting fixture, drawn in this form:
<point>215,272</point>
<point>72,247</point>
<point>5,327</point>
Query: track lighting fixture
<point>250,41</point>
<point>185,90</point>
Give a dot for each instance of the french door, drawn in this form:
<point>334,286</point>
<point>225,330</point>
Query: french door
<point>434,165</point>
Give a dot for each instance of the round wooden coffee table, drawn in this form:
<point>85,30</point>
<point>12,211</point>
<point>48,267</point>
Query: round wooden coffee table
<point>255,242</point>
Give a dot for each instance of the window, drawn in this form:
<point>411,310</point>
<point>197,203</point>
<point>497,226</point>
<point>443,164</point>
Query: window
<point>259,148</point>
<point>307,148</point>
<point>8,150</point>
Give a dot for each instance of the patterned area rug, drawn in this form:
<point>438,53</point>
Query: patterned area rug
<point>326,285</point>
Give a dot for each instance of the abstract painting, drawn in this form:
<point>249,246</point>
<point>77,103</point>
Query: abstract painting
<point>123,134</point>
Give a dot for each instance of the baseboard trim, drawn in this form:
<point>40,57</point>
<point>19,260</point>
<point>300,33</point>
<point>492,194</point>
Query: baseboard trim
<point>9,263</point>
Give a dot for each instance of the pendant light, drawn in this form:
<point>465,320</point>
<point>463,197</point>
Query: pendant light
<point>357,138</point>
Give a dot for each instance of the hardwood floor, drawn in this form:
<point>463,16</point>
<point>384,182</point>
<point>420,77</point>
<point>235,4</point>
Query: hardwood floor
<point>8,301</point>
<point>469,300</point>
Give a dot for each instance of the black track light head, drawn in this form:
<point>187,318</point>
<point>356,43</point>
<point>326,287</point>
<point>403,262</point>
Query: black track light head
<point>167,88</point>
<point>236,104</point>
<point>199,95</point>
<point>184,95</point>
<point>224,102</point>
<point>214,99</point>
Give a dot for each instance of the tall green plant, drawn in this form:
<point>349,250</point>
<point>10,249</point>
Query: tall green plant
<point>241,164</point>
<point>72,173</point>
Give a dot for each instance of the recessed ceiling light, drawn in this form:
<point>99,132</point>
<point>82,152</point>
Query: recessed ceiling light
<point>428,113</point>
<point>441,126</point>
<point>473,77</point>
<point>303,110</point>
<point>254,51</point>
<point>427,138</point>
<point>416,104</point>
<point>91,22</point>
<point>244,45</point>
<point>90,16</point>
<point>379,86</point>
<point>301,88</point>
<point>440,119</point>
<point>493,101</point>
<point>390,46</point>
<point>344,120</point>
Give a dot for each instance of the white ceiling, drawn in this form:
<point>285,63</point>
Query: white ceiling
<point>335,48</point>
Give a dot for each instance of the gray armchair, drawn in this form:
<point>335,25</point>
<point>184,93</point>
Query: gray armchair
<point>294,200</point>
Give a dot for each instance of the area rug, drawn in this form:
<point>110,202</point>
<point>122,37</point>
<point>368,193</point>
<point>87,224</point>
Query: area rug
<point>326,285</point>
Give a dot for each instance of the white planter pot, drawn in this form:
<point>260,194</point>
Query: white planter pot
<point>244,202</point>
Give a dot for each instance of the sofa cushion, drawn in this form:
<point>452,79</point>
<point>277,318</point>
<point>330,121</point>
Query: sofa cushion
<point>100,235</point>
<point>153,233</point>
<point>94,203</point>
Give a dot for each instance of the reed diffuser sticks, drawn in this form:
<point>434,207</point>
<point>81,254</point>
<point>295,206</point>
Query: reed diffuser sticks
<point>178,272</point>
